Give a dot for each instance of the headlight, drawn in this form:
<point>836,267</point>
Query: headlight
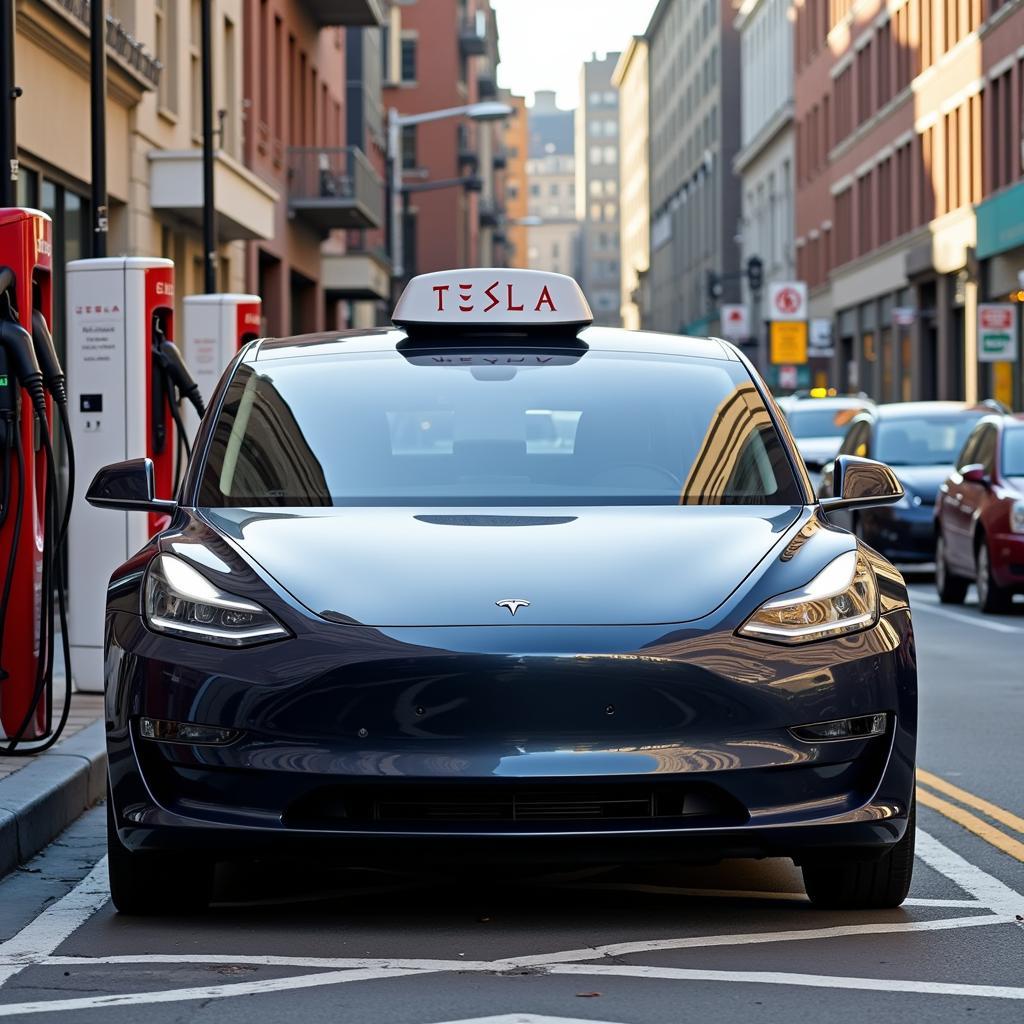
<point>182,602</point>
<point>842,598</point>
<point>1017,517</point>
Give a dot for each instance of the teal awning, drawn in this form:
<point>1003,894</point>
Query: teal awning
<point>1001,222</point>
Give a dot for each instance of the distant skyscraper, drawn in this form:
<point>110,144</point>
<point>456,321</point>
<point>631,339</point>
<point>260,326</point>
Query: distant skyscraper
<point>597,187</point>
<point>553,234</point>
<point>695,133</point>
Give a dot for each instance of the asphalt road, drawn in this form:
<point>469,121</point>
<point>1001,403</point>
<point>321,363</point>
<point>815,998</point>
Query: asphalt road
<point>736,942</point>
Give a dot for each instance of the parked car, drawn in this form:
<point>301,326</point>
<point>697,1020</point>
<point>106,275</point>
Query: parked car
<point>920,441</point>
<point>979,517</point>
<point>819,424</point>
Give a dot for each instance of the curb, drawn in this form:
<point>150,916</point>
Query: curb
<point>40,800</point>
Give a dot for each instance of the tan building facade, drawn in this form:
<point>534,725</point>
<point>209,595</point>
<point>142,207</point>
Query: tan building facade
<point>153,135</point>
<point>632,81</point>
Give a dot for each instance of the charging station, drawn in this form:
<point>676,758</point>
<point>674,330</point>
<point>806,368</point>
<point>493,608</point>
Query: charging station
<point>119,309</point>
<point>216,327</point>
<point>27,633</point>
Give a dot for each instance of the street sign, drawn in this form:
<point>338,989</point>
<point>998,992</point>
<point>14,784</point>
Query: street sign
<point>997,332</point>
<point>787,300</point>
<point>904,316</point>
<point>735,322</point>
<point>789,341</point>
<point>820,339</point>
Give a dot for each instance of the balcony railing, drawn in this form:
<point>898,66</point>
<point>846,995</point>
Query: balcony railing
<point>473,36</point>
<point>346,12</point>
<point>334,188</point>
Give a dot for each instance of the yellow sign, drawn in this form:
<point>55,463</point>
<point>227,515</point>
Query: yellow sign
<point>1002,382</point>
<point>789,341</point>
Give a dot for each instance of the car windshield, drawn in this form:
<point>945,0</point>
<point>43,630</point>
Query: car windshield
<point>1013,451</point>
<point>830,421</point>
<point>472,427</point>
<point>923,440</point>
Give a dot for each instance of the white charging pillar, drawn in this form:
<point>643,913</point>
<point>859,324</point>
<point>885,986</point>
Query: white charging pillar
<point>216,327</point>
<point>117,411</point>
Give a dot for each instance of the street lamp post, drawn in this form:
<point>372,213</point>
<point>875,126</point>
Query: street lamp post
<point>98,112</point>
<point>488,111</point>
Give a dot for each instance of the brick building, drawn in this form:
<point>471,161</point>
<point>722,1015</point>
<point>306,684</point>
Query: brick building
<point>908,115</point>
<point>295,84</point>
<point>446,57</point>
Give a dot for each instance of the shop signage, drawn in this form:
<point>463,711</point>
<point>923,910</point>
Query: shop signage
<point>735,322</point>
<point>820,338</point>
<point>788,341</point>
<point>997,332</point>
<point>904,316</point>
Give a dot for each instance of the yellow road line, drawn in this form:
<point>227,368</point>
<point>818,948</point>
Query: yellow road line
<point>972,823</point>
<point>1015,821</point>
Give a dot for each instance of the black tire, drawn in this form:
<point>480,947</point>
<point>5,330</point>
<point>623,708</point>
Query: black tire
<point>992,598</point>
<point>952,588</point>
<point>864,884</point>
<point>155,883</point>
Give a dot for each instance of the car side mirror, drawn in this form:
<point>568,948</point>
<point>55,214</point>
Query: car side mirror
<point>975,474</point>
<point>128,486</point>
<point>861,483</point>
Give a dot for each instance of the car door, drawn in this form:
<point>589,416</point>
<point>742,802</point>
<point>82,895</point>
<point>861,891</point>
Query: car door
<point>963,498</point>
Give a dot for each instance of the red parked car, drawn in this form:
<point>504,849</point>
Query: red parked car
<point>979,517</point>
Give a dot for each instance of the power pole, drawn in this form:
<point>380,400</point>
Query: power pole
<point>209,210</point>
<point>98,111</point>
<point>9,93</point>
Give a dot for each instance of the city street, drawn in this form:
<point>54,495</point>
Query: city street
<point>614,945</point>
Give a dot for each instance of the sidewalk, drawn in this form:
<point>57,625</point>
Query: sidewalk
<point>40,796</point>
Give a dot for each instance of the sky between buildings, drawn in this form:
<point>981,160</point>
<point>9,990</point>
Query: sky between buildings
<point>544,42</point>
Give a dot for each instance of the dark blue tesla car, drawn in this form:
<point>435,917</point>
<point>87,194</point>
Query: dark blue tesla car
<point>496,585</point>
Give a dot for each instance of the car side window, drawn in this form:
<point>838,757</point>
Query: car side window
<point>985,453</point>
<point>966,457</point>
<point>854,438</point>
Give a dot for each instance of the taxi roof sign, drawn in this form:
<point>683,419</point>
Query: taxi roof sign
<point>492,298</point>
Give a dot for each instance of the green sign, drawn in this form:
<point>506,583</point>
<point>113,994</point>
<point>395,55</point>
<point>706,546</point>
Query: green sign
<point>1001,222</point>
<point>3,380</point>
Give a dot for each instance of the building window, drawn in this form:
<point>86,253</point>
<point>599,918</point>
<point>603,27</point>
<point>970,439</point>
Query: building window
<point>865,214</point>
<point>410,160</point>
<point>409,45</point>
<point>166,46</point>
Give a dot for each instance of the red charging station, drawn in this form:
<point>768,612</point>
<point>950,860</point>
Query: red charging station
<point>119,310</point>
<point>25,248</point>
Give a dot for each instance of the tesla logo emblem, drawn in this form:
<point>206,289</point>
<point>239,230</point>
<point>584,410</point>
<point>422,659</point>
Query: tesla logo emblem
<point>513,605</point>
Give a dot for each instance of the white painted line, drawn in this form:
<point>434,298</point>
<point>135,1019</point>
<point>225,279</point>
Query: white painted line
<point>988,890</point>
<point>39,938</point>
<point>525,1018</point>
<point>744,894</point>
<point>970,620</point>
<point>750,938</point>
<point>804,980</point>
<point>178,995</point>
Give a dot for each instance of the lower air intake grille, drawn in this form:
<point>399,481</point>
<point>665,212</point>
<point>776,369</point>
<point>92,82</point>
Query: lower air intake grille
<point>438,804</point>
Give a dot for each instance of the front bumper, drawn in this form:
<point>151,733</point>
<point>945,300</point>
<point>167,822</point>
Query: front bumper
<point>625,743</point>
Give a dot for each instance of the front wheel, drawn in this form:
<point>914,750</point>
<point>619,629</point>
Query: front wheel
<point>992,598</point>
<point>952,588</point>
<point>864,884</point>
<point>155,883</point>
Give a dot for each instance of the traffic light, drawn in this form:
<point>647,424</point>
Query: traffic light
<point>755,273</point>
<point>714,287</point>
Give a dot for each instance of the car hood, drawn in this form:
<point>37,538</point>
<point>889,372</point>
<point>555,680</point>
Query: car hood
<point>816,451</point>
<point>595,566</point>
<point>923,481</point>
